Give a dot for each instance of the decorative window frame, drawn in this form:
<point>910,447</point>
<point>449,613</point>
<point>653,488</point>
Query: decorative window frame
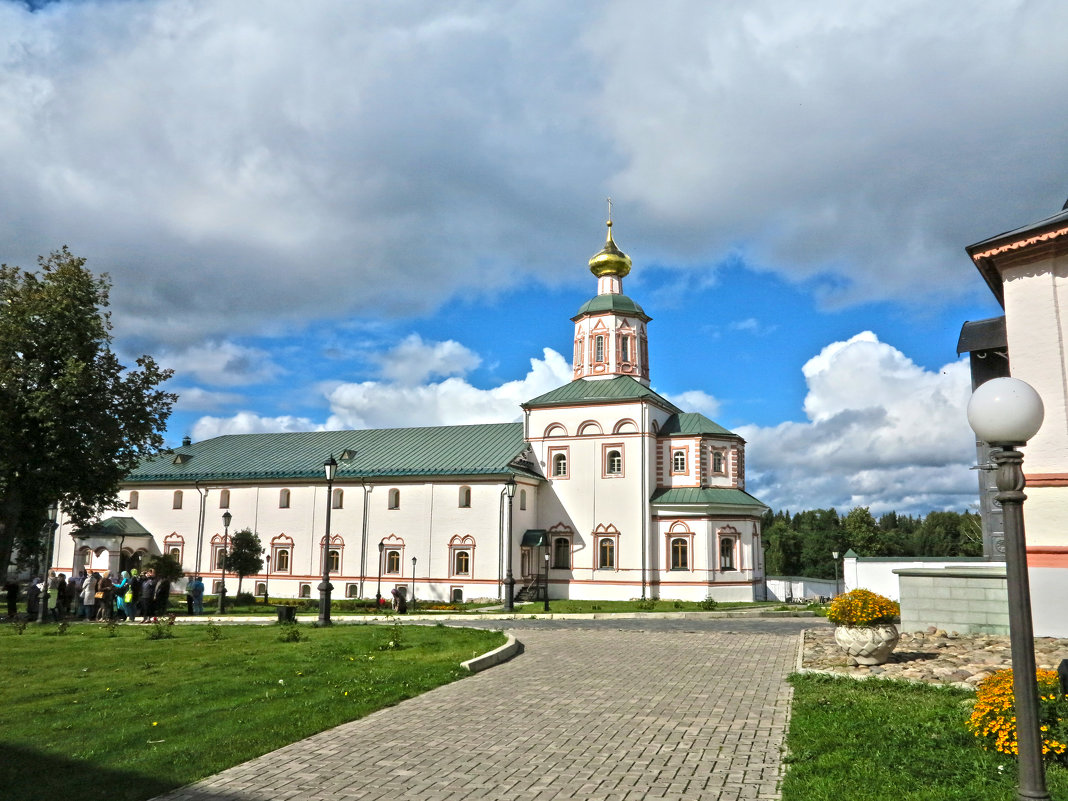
<point>679,531</point>
<point>676,452</point>
<point>606,451</point>
<point>172,541</point>
<point>554,452</point>
<point>555,430</point>
<point>218,545</point>
<point>283,543</point>
<point>606,532</point>
<point>724,461</point>
<point>462,544</point>
<point>337,543</point>
<point>561,531</point>
<point>728,534</point>
<point>393,544</point>
<point>590,428</point>
<point>625,426</point>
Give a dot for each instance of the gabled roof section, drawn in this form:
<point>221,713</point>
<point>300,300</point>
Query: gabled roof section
<point>380,453</point>
<point>1041,233</point>
<point>703,496</point>
<point>583,392</point>
<point>120,526</point>
<point>692,424</point>
<point>615,303</point>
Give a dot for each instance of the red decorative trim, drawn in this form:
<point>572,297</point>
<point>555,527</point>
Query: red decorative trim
<point>1020,243</point>
<point>1047,480</point>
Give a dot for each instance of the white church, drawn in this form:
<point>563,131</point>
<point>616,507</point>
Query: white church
<point>605,490</point>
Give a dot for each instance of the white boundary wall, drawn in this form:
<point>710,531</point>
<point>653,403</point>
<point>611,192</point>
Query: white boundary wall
<point>876,573</point>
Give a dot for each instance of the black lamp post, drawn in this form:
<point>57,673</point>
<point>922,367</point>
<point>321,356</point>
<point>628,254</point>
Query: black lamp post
<point>378,591</point>
<point>1005,413</point>
<point>227,517</point>
<point>546,582</point>
<point>834,556</point>
<point>413,583</point>
<point>46,585</point>
<point>330,467</point>
<point>509,579</point>
<point>267,578</point>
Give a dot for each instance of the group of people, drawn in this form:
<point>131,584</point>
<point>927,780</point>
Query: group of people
<point>98,596</point>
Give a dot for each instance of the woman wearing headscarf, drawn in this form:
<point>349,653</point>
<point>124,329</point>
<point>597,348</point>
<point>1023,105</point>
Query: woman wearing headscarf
<point>106,589</point>
<point>89,594</point>
<point>122,589</point>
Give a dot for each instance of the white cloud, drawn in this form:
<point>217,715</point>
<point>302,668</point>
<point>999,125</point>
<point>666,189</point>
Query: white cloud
<point>376,404</point>
<point>240,166</point>
<point>695,400</point>
<point>373,404</point>
<point>221,364</point>
<point>413,361</point>
<point>881,432</point>
<point>250,423</point>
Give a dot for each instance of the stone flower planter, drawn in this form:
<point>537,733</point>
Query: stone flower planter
<point>867,645</point>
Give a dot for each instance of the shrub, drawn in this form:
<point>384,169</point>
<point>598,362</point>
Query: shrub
<point>647,605</point>
<point>161,628</point>
<point>289,632</point>
<point>993,717</point>
<point>214,631</point>
<point>708,604</point>
<point>245,599</point>
<point>862,608</point>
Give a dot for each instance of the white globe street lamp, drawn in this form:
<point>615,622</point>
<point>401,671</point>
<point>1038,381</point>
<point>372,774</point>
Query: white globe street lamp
<point>1006,413</point>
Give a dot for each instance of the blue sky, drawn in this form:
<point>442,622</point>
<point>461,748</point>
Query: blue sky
<point>366,214</point>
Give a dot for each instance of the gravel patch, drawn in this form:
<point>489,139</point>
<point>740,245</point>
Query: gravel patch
<point>933,656</point>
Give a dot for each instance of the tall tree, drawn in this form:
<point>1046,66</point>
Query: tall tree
<point>74,421</point>
<point>245,556</point>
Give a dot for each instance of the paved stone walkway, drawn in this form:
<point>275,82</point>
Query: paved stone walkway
<point>591,714</point>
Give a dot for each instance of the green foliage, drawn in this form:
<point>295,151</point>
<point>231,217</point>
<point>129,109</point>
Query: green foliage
<point>890,741</point>
<point>245,599</point>
<point>214,631</point>
<point>75,420</point>
<point>709,604</point>
<point>801,544</point>
<point>289,632</point>
<point>161,628</point>
<point>166,566</point>
<point>646,605</point>
<point>245,557</point>
<point>220,706</point>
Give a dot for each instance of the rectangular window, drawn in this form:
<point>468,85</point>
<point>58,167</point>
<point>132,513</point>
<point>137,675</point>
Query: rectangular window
<point>606,553</point>
<point>678,462</point>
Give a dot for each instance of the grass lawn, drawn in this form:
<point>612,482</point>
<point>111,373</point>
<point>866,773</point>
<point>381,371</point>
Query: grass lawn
<point>563,606</point>
<point>873,740</point>
<point>90,716</point>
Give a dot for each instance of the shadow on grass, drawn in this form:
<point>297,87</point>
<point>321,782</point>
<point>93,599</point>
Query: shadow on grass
<point>26,773</point>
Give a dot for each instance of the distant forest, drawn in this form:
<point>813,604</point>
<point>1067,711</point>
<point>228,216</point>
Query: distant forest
<point>801,544</point>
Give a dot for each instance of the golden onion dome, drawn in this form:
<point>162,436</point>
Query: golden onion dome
<point>610,260</point>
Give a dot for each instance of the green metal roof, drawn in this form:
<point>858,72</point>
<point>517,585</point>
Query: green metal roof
<point>380,453</point>
<point>534,538</point>
<point>121,526</point>
<point>620,304</point>
<point>723,496</point>
<point>693,424</point>
<point>583,391</point>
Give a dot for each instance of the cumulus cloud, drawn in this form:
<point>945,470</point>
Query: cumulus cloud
<point>413,360</point>
<point>240,166</point>
<point>881,432</point>
<point>695,400</point>
<point>250,423</point>
<point>373,404</point>
<point>221,363</point>
<point>380,404</point>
